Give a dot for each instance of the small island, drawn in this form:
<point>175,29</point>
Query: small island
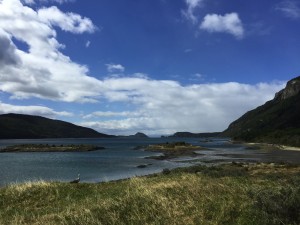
<point>173,150</point>
<point>51,148</point>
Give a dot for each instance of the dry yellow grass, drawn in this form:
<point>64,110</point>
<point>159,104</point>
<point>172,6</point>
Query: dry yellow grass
<point>221,195</point>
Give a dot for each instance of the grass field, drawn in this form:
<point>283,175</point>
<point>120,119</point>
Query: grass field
<point>228,194</point>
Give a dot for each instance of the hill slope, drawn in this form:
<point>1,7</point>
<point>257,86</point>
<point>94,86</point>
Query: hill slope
<point>194,135</point>
<point>277,121</point>
<point>17,126</point>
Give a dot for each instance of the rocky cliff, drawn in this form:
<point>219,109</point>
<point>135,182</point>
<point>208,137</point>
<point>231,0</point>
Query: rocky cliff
<point>292,88</point>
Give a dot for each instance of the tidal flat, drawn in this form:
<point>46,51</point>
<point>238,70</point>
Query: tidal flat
<point>236,193</point>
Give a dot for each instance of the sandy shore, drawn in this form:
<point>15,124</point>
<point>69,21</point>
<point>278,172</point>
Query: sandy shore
<point>289,148</point>
<point>267,146</point>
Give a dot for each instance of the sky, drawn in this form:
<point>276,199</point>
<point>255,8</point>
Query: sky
<point>158,67</point>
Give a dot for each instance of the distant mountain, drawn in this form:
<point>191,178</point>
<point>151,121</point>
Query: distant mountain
<point>19,126</point>
<point>139,135</point>
<point>194,135</point>
<point>277,121</point>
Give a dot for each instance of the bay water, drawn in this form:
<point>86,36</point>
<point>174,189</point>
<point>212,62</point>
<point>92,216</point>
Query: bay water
<point>119,160</point>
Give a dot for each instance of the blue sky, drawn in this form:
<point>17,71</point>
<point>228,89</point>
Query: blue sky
<point>160,66</point>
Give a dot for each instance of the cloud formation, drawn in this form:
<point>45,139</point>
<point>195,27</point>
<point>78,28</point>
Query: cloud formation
<point>112,68</point>
<point>229,23</point>
<point>157,106</point>
<point>100,114</point>
<point>7,50</point>
<point>289,8</point>
<point>31,110</point>
<point>42,71</point>
<point>192,5</point>
<point>164,106</point>
<point>31,2</point>
<point>87,44</point>
<point>70,22</point>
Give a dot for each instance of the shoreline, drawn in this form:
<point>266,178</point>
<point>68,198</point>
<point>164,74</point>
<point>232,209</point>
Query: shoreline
<point>267,146</point>
<point>166,171</point>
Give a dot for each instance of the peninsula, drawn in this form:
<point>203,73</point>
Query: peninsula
<point>20,126</point>
<point>50,148</point>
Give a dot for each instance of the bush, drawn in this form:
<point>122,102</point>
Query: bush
<point>281,206</point>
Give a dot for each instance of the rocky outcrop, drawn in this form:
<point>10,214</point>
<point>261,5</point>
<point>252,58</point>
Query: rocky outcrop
<point>292,88</point>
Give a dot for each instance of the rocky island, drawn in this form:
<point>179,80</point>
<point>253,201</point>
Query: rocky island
<point>173,150</point>
<point>50,148</point>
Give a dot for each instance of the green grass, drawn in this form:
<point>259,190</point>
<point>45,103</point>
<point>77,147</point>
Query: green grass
<point>229,194</point>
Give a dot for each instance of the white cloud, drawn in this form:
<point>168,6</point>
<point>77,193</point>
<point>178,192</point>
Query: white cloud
<point>31,2</point>
<point>289,8</point>
<point>42,71</point>
<point>112,114</point>
<point>164,107</point>
<point>112,68</point>
<point>31,110</point>
<point>71,22</point>
<point>192,5</point>
<point>141,75</point>
<point>229,23</point>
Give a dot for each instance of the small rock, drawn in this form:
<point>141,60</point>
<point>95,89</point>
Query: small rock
<point>141,166</point>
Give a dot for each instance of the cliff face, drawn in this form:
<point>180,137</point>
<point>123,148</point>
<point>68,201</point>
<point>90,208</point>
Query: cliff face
<point>17,126</point>
<point>277,121</point>
<point>292,88</point>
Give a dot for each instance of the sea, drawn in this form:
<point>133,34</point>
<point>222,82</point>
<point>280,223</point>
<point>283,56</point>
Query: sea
<point>121,159</point>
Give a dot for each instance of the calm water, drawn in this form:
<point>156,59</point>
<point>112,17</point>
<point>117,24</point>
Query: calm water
<point>119,160</point>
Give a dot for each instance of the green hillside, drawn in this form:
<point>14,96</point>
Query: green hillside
<point>18,126</point>
<point>277,121</point>
<point>194,135</point>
